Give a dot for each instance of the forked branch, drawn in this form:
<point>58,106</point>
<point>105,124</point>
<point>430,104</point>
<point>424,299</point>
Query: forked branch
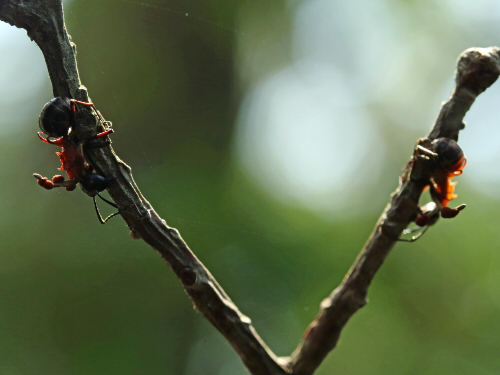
<point>477,70</point>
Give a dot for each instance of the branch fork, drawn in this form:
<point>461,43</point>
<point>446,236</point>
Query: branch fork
<point>477,69</point>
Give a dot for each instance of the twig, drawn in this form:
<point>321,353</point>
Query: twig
<point>477,70</point>
<point>44,22</point>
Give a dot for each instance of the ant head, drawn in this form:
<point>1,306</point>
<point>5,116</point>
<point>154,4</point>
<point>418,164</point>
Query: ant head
<point>450,156</point>
<point>56,117</point>
<point>93,183</point>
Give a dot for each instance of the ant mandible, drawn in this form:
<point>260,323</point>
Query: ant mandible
<point>447,161</point>
<point>57,121</point>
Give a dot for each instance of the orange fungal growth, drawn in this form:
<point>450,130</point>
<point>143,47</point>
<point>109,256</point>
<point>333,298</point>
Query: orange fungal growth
<point>58,178</point>
<point>443,186</point>
<point>450,163</point>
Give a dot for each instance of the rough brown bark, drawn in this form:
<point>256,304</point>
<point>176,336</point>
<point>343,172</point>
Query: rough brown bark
<point>44,22</point>
<point>477,70</point>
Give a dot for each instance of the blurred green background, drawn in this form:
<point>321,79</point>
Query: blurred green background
<point>270,133</point>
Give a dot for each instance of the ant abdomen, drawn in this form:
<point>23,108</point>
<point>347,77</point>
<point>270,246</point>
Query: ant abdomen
<point>450,155</point>
<point>94,182</point>
<point>56,117</point>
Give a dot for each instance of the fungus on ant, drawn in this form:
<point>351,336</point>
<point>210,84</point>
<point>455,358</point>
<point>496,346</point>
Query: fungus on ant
<point>57,120</point>
<point>447,160</point>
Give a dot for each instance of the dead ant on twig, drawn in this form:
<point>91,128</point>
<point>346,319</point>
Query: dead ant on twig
<point>56,121</point>
<point>448,161</point>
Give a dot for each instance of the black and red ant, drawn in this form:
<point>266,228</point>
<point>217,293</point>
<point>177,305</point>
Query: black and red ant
<point>447,160</point>
<point>57,121</point>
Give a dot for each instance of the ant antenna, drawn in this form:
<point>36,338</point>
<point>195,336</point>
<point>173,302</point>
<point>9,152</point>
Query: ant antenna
<point>101,220</point>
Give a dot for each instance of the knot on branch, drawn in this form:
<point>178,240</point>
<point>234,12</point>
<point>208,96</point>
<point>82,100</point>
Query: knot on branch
<point>478,69</point>
<point>188,276</point>
<point>33,16</point>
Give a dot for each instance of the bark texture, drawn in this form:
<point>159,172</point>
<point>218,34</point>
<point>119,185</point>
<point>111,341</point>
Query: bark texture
<point>477,70</point>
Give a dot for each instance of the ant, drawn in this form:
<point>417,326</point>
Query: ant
<point>57,121</point>
<point>447,161</point>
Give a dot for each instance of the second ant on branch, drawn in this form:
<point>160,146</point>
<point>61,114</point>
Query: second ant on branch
<point>445,160</point>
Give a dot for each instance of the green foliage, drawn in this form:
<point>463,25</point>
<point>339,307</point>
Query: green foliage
<point>173,76</point>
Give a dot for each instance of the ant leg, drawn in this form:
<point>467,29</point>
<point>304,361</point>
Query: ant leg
<point>82,103</point>
<point>58,141</point>
<point>415,237</point>
<point>425,153</point>
<point>101,220</point>
<point>103,134</point>
<point>100,135</point>
<point>106,126</point>
<point>107,201</point>
<point>88,105</point>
